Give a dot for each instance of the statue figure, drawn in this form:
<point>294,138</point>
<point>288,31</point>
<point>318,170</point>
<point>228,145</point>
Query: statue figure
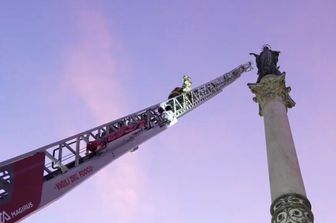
<point>267,62</point>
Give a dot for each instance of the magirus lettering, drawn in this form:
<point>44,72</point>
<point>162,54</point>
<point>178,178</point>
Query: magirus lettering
<point>22,209</point>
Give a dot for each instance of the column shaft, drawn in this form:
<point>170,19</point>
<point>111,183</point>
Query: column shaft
<point>289,202</point>
<point>284,171</point>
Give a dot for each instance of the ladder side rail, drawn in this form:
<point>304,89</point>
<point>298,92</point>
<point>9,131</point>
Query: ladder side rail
<point>98,129</point>
<point>74,146</point>
<point>70,156</point>
<point>205,92</point>
<point>198,96</point>
<point>208,90</point>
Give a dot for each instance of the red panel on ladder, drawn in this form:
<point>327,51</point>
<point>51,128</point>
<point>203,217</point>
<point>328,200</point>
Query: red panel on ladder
<point>24,185</point>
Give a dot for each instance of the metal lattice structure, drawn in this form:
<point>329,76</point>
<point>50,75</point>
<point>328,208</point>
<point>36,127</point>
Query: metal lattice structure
<point>60,166</point>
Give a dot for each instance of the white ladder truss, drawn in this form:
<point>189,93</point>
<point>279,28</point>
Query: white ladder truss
<point>71,152</point>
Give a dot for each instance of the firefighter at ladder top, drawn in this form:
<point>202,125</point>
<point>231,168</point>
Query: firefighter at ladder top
<point>101,143</point>
<point>165,111</point>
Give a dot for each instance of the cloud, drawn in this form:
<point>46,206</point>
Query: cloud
<point>120,188</point>
<point>93,70</point>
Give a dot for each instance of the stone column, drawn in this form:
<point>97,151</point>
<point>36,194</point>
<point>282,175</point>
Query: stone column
<point>289,202</point>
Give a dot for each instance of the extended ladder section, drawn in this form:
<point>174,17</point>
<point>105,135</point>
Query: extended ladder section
<point>33,180</point>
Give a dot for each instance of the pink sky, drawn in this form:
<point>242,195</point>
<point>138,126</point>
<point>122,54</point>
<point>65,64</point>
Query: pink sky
<point>67,67</point>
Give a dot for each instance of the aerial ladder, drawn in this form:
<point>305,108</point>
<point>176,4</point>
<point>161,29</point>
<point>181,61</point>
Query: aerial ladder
<point>33,180</point>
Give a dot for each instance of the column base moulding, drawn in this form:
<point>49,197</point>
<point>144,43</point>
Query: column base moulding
<point>291,208</point>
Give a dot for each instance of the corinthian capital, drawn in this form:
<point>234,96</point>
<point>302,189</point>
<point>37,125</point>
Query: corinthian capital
<point>269,88</point>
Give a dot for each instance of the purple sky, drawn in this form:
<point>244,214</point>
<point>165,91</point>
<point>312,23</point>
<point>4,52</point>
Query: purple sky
<point>66,67</point>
